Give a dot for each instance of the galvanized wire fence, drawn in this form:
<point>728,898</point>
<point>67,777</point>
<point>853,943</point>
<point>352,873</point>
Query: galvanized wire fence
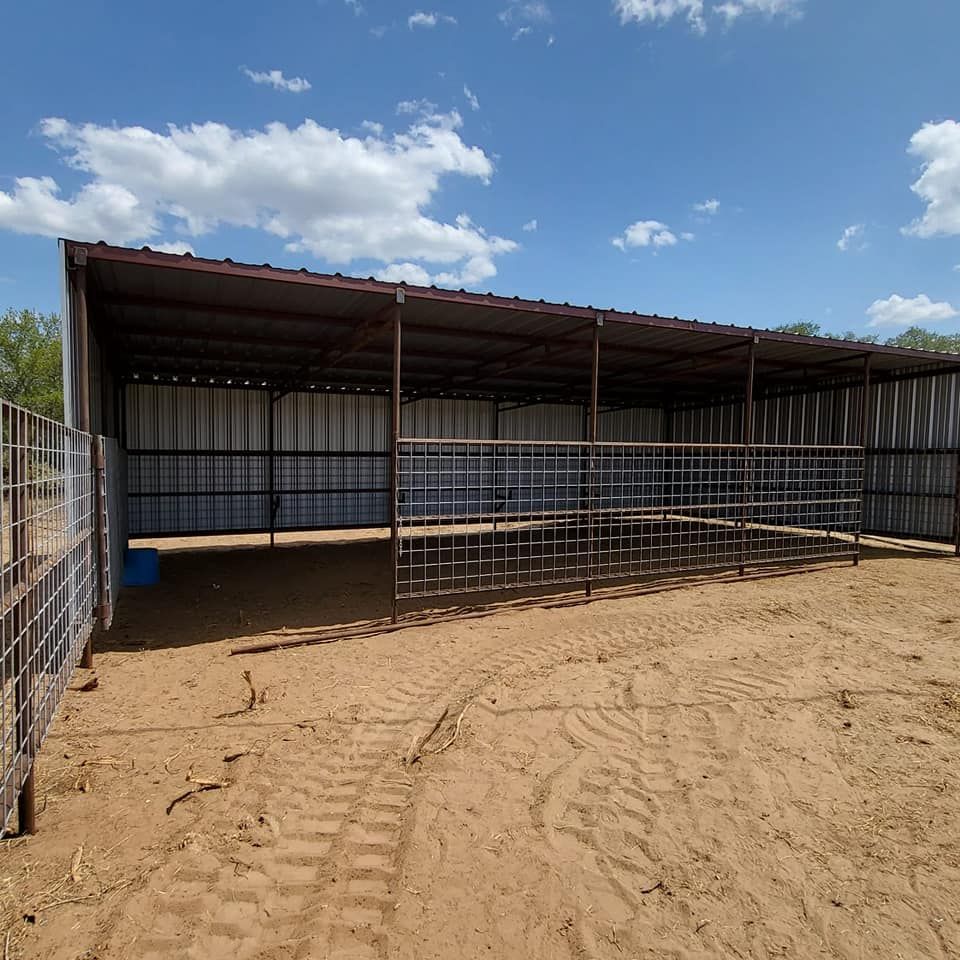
<point>488,515</point>
<point>49,580</point>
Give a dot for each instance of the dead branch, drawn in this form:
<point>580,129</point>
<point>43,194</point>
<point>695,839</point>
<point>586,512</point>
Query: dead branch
<point>413,754</point>
<point>251,703</point>
<point>75,864</point>
<point>191,792</point>
<point>199,786</point>
<point>456,732</point>
<point>253,693</point>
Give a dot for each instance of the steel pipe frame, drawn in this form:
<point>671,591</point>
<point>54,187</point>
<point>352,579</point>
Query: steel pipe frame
<point>747,440</point>
<point>394,451</point>
<point>83,400</point>
<point>865,412</point>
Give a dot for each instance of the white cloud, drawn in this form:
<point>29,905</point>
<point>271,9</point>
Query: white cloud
<point>423,107</point>
<point>530,226</point>
<point>97,209</point>
<point>421,19</point>
<point>734,9</point>
<point>648,233</point>
<point>899,311</point>
<point>530,11</point>
<point>356,7</point>
<point>406,272</point>
<point>710,207</point>
<point>695,12</point>
<point>644,11</point>
<point>522,16</point>
<point>276,79</point>
<point>175,246</point>
<point>336,197</point>
<point>852,236</point>
<point>688,236</point>
<point>957,268</point>
<point>938,146</point>
<point>372,127</point>
<point>471,98</point>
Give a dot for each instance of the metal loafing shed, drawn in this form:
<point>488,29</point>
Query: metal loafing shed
<point>505,443</point>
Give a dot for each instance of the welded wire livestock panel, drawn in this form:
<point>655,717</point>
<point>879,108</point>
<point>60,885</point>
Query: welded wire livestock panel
<point>803,502</point>
<point>666,507</point>
<point>48,576</point>
<point>491,515</point>
<point>486,515</point>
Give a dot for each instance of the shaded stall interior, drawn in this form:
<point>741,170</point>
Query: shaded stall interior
<point>503,443</point>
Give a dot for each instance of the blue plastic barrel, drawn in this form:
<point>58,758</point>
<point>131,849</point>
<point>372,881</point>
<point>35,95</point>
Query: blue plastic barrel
<point>141,567</point>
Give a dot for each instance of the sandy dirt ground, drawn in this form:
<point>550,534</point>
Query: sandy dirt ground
<point>765,769</point>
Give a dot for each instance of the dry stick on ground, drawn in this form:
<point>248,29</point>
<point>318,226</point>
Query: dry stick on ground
<point>199,787</point>
<point>251,703</point>
<point>253,693</point>
<point>75,864</point>
<point>456,732</point>
<point>413,754</point>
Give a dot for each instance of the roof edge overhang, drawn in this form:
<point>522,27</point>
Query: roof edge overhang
<point>228,268</point>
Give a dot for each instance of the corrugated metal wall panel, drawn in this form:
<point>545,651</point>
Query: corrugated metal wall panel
<point>332,422</point>
<point>640,425</point>
<point>917,413</point>
<point>708,425</point>
<point>316,488</point>
<point>912,495</point>
<point>195,418</point>
<point>449,419</point>
<point>543,421</point>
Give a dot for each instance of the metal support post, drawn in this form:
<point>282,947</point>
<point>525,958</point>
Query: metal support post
<point>592,438</point>
<point>865,413</point>
<point>747,440</point>
<point>394,454</point>
<point>22,615</point>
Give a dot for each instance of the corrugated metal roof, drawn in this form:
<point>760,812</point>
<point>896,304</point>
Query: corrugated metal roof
<point>164,316</point>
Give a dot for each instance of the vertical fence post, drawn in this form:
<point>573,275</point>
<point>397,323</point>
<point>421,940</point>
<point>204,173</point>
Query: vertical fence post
<point>22,620</point>
<point>956,511</point>
<point>865,413</point>
<point>83,395</point>
<point>271,506</point>
<point>99,465</point>
<point>395,454</point>
<point>496,458</point>
<point>746,453</point>
<point>592,437</point>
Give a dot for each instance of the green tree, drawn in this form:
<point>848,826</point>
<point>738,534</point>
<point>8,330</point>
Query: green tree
<point>916,338</point>
<point>804,328</point>
<point>31,372</point>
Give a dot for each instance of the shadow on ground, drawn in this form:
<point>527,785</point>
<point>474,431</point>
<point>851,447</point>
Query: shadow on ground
<point>220,592</point>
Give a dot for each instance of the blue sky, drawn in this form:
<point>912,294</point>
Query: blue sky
<point>740,161</point>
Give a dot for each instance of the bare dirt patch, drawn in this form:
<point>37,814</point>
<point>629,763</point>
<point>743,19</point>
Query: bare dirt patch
<point>760,770</point>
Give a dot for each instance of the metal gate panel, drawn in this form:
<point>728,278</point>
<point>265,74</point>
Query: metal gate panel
<point>476,516</point>
<point>48,576</point>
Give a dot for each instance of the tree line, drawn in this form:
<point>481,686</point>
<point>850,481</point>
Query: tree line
<point>31,372</point>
